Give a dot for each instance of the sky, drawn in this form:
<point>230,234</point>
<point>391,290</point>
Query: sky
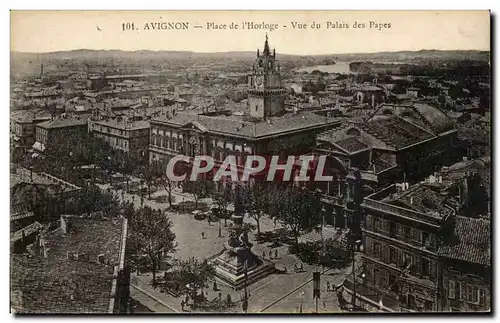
<point>48,31</point>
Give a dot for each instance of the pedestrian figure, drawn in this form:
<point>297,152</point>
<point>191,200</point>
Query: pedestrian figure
<point>229,301</point>
<point>324,304</point>
<point>276,253</point>
<point>215,286</point>
<point>270,254</point>
<point>263,254</point>
<point>203,235</point>
<point>220,297</point>
<point>209,222</point>
<point>182,305</point>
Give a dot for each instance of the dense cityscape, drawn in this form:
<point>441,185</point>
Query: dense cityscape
<point>96,226</point>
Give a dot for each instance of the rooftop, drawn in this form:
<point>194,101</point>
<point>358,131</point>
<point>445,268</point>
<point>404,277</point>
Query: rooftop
<point>421,114</point>
<point>470,241</point>
<point>63,281</point>
<point>124,124</point>
<point>236,126</point>
<point>28,116</point>
<point>395,131</point>
<point>351,145</point>
<point>423,199</point>
<point>63,123</point>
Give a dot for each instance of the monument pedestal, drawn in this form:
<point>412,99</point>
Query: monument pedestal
<point>230,267</point>
<point>237,265</point>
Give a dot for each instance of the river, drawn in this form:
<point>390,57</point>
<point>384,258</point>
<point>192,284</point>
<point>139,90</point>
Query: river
<point>338,67</point>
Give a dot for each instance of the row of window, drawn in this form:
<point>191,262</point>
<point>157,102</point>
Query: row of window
<point>121,132</point>
<point>41,138</point>
<point>168,143</point>
<point>115,142</point>
<point>383,279</point>
<point>395,229</point>
<point>416,264</point>
<point>466,292</point>
<point>166,133</point>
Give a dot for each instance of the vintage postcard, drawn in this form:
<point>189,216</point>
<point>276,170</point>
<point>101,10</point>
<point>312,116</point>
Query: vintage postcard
<point>290,162</point>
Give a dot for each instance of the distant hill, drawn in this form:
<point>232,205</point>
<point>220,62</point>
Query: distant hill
<point>30,62</point>
<point>148,54</point>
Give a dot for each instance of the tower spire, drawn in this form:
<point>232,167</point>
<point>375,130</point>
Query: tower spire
<point>267,51</point>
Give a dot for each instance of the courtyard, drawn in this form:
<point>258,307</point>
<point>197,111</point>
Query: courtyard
<point>289,292</point>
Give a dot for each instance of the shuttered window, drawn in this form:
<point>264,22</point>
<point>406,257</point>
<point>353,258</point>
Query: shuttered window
<point>451,289</point>
<point>481,296</point>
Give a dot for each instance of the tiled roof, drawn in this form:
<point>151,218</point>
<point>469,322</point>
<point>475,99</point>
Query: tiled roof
<point>472,241</point>
<point>61,123</point>
<point>87,236</point>
<point>46,285</point>
<point>395,131</point>
<point>123,124</point>
<point>422,114</point>
<point>28,116</point>
<point>351,144</point>
<point>421,198</point>
<point>232,126</point>
<point>56,284</point>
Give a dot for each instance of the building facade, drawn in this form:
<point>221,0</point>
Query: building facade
<point>56,130</point>
<point>121,133</point>
<point>264,129</point>
<point>419,255</point>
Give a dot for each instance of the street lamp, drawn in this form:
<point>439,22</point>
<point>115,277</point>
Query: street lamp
<point>246,295</point>
<point>301,301</point>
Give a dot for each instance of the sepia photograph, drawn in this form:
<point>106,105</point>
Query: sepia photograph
<point>250,162</point>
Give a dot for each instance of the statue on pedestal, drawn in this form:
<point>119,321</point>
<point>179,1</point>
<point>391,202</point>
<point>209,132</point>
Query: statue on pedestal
<point>237,259</point>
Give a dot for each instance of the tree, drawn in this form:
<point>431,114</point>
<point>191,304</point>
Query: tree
<point>150,173</point>
<point>127,164</point>
<point>299,211</point>
<point>168,185</point>
<point>151,235</point>
<point>258,199</point>
<point>197,188</point>
<point>92,199</point>
<point>196,274</point>
<point>222,201</point>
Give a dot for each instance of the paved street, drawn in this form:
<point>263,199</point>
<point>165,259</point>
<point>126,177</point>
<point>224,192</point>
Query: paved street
<point>276,293</point>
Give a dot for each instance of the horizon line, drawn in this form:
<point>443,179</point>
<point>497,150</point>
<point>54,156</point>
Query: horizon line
<point>251,51</point>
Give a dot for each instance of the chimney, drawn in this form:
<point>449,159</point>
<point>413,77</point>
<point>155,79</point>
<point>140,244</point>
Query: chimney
<point>411,200</point>
<point>440,179</point>
<point>464,158</point>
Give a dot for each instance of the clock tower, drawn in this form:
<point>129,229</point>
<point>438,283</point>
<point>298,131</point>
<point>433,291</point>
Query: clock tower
<point>266,97</point>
